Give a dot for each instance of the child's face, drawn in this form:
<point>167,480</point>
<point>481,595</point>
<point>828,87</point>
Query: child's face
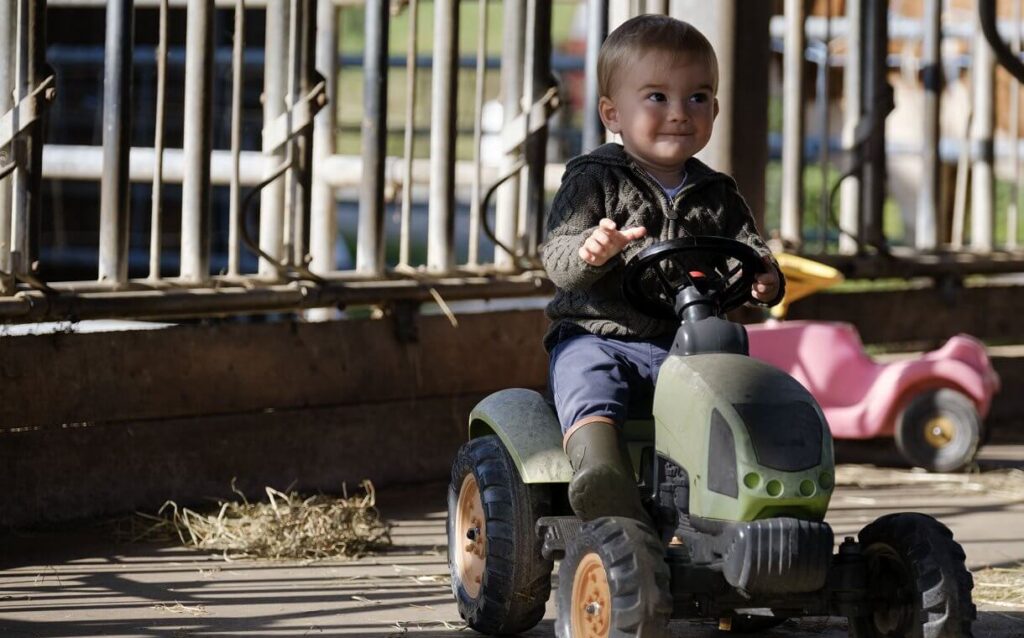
<point>664,107</point>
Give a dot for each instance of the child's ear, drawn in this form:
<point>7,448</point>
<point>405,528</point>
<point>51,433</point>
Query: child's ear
<point>715,116</point>
<point>609,114</point>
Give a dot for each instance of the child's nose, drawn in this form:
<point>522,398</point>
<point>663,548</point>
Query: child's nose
<point>677,112</point>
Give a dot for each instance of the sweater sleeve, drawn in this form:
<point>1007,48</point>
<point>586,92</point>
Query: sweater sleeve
<point>577,208</point>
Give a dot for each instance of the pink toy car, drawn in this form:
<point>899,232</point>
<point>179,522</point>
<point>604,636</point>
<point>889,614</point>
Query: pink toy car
<point>933,404</point>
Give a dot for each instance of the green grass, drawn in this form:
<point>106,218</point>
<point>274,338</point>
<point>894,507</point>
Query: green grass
<point>813,207</point>
<point>892,221</point>
<point>350,80</point>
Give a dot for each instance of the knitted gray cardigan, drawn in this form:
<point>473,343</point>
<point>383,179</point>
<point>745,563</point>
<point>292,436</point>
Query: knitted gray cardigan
<point>608,183</point>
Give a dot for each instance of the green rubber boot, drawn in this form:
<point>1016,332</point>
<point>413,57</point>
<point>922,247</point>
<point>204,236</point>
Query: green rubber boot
<point>603,483</point>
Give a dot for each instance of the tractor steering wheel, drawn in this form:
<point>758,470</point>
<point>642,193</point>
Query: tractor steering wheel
<point>654,277</point>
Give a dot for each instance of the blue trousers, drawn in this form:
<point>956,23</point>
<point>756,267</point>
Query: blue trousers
<point>605,376</point>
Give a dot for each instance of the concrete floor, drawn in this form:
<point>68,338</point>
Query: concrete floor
<point>79,583</point>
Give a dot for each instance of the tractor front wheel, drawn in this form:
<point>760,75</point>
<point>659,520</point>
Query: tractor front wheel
<point>917,583</point>
<point>500,579</point>
<point>614,583</point>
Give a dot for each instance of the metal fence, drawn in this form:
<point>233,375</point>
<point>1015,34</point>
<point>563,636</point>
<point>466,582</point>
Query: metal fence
<point>282,251</point>
<point>291,182</point>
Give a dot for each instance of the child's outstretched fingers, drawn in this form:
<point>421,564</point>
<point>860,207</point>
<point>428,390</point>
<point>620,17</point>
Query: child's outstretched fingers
<point>607,241</point>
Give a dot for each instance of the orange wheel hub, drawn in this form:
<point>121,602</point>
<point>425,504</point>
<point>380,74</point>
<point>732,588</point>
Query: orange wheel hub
<point>591,599</point>
<point>471,536</point>
<point>939,432</point>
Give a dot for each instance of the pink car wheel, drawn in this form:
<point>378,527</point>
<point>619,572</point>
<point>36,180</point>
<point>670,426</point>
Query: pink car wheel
<point>939,430</point>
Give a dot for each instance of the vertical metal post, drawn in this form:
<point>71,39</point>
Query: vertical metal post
<point>156,213</point>
<point>538,60</point>
<point>657,6</point>
<point>1013,210</point>
<point>370,234</point>
<point>444,89</point>
<point>237,65</point>
<point>877,99</point>
<point>275,75</point>
<point>8,42</point>
<point>793,125</point>
<point>117,128</point>
<point>408,142</point>
<point>323,223</point>
<point>619,11</point>
<point>512,52</point>
<point>739,145</point>
<point>478,107</point>
<point>301,54</point>
<point>21,148</point>
<point>982,132</point>
<point>597,31</point>
<point>849,215</point>
<point>195,187</point>
<point>926,231</point>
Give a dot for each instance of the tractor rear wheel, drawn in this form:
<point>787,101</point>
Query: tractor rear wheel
<point>500,579</point>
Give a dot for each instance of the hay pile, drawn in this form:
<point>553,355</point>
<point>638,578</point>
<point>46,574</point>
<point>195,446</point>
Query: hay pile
<point>1006,483</point>
<point>1000,586</point>
<point>288,526</point>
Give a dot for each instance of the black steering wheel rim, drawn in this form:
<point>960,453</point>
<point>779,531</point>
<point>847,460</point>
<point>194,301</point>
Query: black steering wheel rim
<point>735,294</point>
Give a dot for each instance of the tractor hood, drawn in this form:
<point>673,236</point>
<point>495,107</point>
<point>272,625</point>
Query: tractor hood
<point>752,439</point>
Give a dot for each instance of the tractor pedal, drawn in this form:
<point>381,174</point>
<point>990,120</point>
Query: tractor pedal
<point>556,532</point>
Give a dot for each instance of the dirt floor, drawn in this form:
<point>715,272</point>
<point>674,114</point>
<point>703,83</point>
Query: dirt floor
<point>78,582</point>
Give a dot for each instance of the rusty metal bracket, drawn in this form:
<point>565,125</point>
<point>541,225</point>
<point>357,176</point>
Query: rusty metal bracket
<point>515,133</point>
<point>26,111</point>
<point>296,119</point>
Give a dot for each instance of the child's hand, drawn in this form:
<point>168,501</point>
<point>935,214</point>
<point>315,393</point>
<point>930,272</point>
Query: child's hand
<point>607,241</point>
<point>766,285</point>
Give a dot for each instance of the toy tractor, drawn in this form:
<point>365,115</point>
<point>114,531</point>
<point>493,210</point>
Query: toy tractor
<point>736,471</point>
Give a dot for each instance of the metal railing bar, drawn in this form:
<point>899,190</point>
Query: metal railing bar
<point>27,148</point>
<point>117,121</point>
<point>1013,209</point>
<point>30,306</point>
<point>982,210</point>
<point>271,235</point>
<point>195,189</point>
<point>179,4</point>
<point>370,231</point>
<point>236,137</point>
<point>478,109</point>
<point>927,222</point>
<point>82,163</point>
<point>444,93</point>
<point>8,40</point>
<point>538,83</point>
<point>597,31</point>
<point>323,217</point>
<point>408,141</point>
<point>156,210</point>
<point>512,52</point>
<point>792,213</point>
<point>288,231</point>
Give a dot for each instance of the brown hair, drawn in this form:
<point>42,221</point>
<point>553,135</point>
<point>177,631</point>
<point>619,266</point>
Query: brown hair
<point>650,32</point>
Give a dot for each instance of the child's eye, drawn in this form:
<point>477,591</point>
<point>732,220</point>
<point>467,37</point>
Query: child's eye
<point>699,98</point>
<point>657,97</point>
